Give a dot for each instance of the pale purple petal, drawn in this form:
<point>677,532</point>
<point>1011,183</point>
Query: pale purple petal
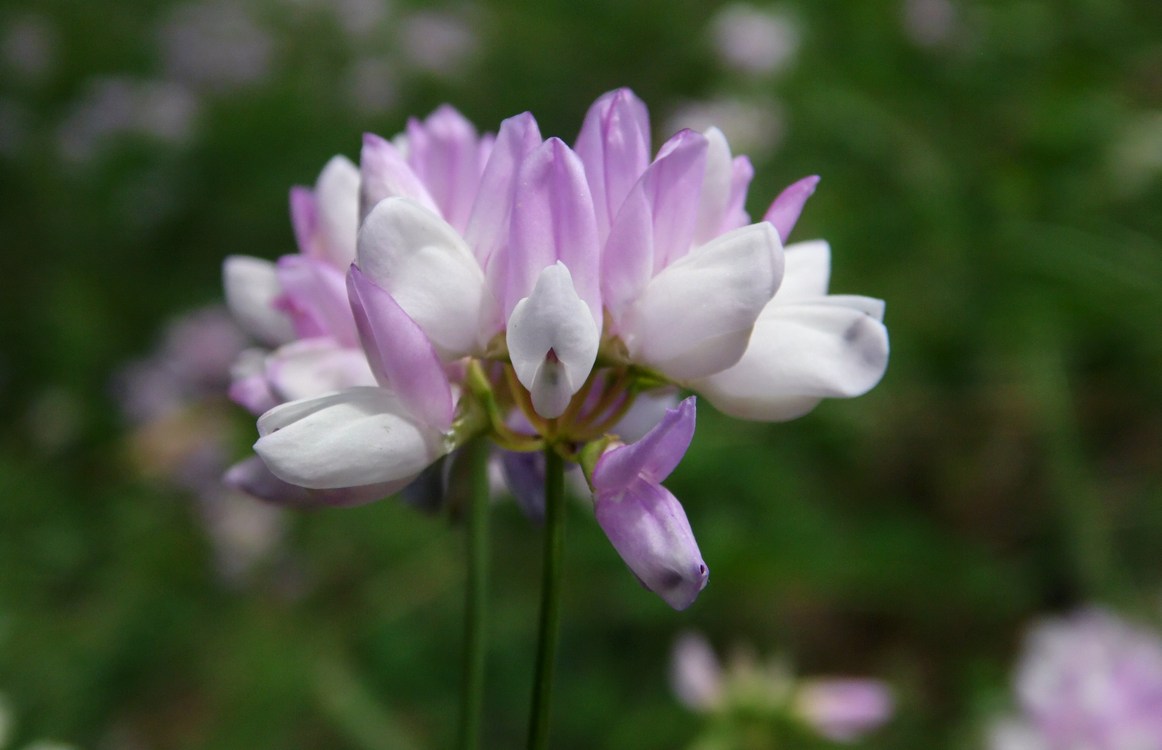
<point>305,220</point>
<point>252,477</point>
<point>673,184</point>
<point>801,353</point>
<point>249,387</point>
<point>647,410</point>
<point>555,222</point>
<point>649,529</point>
<point>695,673</point>
<point>385,173</point>
<point>314,297</point>
<point>356,437</point>
<point>785,209</point>
<point>487,231</point>
<point>402,357</point>
<point>251,288</point>
<point>429,271</point>
<point>313,367</point>
<point>552,341</point>
<point>844,709</point>
<point>736,215</point>
<point>627,260</point>
<point>695,317</point>
<point>337,199</point>
<point>444,151</point>
<point>653,457</point>
<point>716,188</point>
<point>614,146</point>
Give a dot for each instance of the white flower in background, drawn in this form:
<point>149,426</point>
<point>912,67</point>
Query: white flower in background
<point>755,40</point>
<point>215,46</point>
<point>28,47</point>
<point>929,23</point>
<point>437,42</point>
<point>117,107</point>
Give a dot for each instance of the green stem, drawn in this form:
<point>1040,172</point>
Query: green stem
<point>550,599</point>
<point>474,460</point>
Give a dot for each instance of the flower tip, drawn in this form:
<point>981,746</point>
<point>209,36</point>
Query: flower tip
<point>680,590</point>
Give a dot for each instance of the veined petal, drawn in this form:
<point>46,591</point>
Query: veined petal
<point>652,457</point>
<point>445,152</point>
<point>429,271</point>
<point>313,367</point>
<point>801,353</point>
<point>314,297</point>
<point>356,437</point>
<point>255,479</point>
<point>251,288</point>
<point>614,146</point>
<point>552,341</point>
<point>487,231</point>
<point>695,317</point>
<point>385,173</point>
<point>401,356</point>
<point>554,222</point>
<point>785,210</point>
<point>649,529</point>
<point>674,185</point>
<point>806,272</point>
<point>337,199</point>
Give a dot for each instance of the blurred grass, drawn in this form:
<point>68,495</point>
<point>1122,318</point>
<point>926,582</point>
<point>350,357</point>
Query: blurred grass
<point>1009,464</point>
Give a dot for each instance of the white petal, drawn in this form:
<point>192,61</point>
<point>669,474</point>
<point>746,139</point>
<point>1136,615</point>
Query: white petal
<point>552,341</point>
<point>430,272</point>
<point>832,347</point>
<point>807,271</point>
<point>695,317</point>
<point>337,193</point>
<point>715,187</point>
<point>251,289</point>
<point>355,437</point>
<point>313,367</point>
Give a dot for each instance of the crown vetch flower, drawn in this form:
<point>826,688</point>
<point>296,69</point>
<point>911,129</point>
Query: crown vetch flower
<point>513,275</point>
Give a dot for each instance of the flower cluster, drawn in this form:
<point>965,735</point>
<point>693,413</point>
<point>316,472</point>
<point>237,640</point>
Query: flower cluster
<point>840,709</point>
<point>455,284</point>
<point>1088,681</point>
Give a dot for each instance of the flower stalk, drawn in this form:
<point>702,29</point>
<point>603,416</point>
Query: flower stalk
<point>550,618</point>
<point>474,462</point>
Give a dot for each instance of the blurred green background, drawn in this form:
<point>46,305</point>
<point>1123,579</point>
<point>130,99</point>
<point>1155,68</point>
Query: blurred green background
<point>991,168</point>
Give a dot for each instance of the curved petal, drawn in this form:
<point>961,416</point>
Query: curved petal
<point>552,341</point>
<point>614,146</point>
<point>305,220</point>
<point>255,479</point>
<point>352,438</point>
<point>741,174</point>
<point>337,199</point>
<point>426,267</point>
<point>806,272</point>
<point>249,387</point>
<point>314,297</point>
<point>313,367</point>
<point>554,222</point>
<point>251,288</point>
<point>785,210</point>
<point>384,173</point>
<point>834,347</point>
<point>652,457</point>
<point>716,187</point>
<point>649,529</point>
<point>647,410</point>
<point>674,186</point>
<point>401,356</point>
<point>695,317</point>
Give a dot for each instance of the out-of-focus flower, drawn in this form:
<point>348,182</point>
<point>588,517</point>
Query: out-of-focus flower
<point>929,23</point>
<point>437,42</point>
<point>118,107</point>
<point>1090,680</point>
<point>839,709</point>
<point>29,46</point>
<point>755,40</point>
<point>214,46</point>
<point>753,125</point>
<point>514,275</point>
